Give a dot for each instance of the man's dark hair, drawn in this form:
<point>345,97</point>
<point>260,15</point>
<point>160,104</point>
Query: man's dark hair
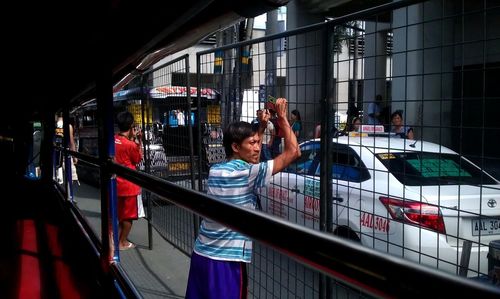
<point>124,120</point>
<point>235,133</point>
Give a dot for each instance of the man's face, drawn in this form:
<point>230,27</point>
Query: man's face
<point>248,150</point>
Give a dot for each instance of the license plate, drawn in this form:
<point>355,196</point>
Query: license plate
<point>485,227</point>
<point>178,166</point>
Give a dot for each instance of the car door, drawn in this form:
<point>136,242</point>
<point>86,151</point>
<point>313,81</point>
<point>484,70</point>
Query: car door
<point>294,193</point>
<point>348,171</point>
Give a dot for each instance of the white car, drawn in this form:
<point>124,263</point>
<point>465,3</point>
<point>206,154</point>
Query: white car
<point>413,199</point>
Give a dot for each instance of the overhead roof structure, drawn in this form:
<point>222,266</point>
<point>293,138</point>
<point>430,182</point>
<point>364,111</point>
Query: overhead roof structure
<point>55,50</point>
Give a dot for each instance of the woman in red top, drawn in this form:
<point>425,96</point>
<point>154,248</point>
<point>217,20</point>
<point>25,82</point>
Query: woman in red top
<point>128,152</point>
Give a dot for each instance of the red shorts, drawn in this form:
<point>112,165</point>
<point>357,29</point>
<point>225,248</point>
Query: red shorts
<point>127,208</point>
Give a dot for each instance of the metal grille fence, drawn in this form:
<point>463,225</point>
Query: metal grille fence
<point>425,72</point>
<point>429,66</point>
<point>170,122</point>
<point>173,223</point>
<point>169,148</point>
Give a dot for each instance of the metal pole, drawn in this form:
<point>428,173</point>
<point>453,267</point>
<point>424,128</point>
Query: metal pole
<point>271,50</point>
<point>355,68</point>
<point>109,222</point>
<point>196,218</point>
<point>68,179</point>
<point>190,126</point>
<point>147,162</point>
<point>47,150</point>
<point>327,97</point>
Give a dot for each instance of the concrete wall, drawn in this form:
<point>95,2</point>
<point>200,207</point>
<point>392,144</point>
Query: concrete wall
<point>428,47</point>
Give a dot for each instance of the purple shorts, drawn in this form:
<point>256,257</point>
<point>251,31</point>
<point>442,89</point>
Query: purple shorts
<point>215,279</point>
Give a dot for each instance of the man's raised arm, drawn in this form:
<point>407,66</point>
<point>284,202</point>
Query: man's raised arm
<point>291,150</point>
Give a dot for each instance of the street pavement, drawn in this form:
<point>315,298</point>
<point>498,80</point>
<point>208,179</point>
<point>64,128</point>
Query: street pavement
<point>158,273</point>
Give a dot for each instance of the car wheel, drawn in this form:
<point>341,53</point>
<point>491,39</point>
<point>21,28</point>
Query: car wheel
<point>347,233</point>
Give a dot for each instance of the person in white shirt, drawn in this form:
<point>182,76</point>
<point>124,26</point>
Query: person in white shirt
<point>267,142</point>
<point>180,118</point>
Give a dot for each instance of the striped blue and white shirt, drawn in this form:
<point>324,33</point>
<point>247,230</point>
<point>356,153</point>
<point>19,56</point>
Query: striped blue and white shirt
<point>235,182</point>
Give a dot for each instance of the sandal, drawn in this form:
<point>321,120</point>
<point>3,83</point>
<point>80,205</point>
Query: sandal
<point>129,246</point>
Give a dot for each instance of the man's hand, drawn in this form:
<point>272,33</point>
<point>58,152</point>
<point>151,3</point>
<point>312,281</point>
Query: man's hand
<point>138,135</point>
<point>264,117</point>
<point>281,107</point>
<point>291,149</point>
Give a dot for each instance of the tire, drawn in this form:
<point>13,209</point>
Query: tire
<point>346,233</point>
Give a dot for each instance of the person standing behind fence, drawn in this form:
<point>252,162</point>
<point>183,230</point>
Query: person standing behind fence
<point>296,123</point>
<point>355,125</point>
<point>276,144</point>
<point>181,121</point>
<point>267,137</point>
<point>220,255</point>
<point>398,127</point>
<point>59,137</point>
<point>255,122</point>
<point>267,141</point>
<point>374,111</point>
<point>128,152</point>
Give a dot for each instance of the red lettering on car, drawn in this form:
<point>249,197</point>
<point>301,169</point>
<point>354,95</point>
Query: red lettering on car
<point>376,222</point>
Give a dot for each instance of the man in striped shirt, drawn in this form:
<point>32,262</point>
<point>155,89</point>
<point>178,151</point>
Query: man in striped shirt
<point>218,263</point>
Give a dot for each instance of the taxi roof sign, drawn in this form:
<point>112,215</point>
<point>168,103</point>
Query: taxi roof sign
<point>181,91</point>
<point>372,129</point>
<point>357,134</point>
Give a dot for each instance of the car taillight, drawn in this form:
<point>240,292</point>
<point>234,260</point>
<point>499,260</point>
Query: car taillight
<point>414,212</point>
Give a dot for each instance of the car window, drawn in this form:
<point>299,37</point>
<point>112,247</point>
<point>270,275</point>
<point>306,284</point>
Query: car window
<point>346,165</point>
<point>425,169</point>
<point>307,161</point>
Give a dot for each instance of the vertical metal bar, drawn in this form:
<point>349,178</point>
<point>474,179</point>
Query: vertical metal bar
<point>270,54</point>
<point>483,120</point>
<point>149,217</point>
<point>327,103</point>
<point>147,164</point>
<point>47,150</point>
<point>190,126</point>
<point>196,219</point>
<point>109,223</point>
<point>227,67</point>
<point>236,75</point>
<point>355,65</point>
<point>465,258</point>
<point>198,120</point>
<point>329,97</point>
<point>462,104</point>
<point>68,180</point>
<point>145,142</point>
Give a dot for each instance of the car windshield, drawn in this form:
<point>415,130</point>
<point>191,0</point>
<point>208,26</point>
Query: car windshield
<point>426,169</point>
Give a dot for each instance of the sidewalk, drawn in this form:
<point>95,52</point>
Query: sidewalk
<point>157,273</point>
